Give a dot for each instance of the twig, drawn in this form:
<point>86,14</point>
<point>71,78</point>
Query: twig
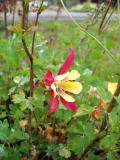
<point>104,16</point>
<point>58,12</point>
<point>24,26</point>
<point>13,18</point>
<point>31,92</point>
<point>30,56</point>
<point>36,22</point>
<point>108,19</point>
<point>25,14</point>
<point>26,49</point>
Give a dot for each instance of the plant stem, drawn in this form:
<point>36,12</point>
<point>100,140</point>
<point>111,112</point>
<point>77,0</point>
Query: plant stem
<point>108,19</point>
<point>31,93</point>
<point>30,56</point>
<point>13,18</point>
<point>104,16</point>
<point>24,26</point>
<point>36,23</point>
<point>25,14</point>
<point>31,88</point>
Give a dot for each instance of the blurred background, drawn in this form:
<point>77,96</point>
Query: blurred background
<point>11,10</point>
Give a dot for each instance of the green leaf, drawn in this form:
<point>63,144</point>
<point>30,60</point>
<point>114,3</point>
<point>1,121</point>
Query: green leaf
<point>2,151</point>
<point>20,80</point>
<point>64,152</point>
<point>77,144</point>
<point>83,110</point>
<point>11,90</point>
<point>110,156</point>
<point>76,128</point>
<point>18,98</point>
<point>4,130</point>
<point>118,99</point>
<point>109,142</point>
<point>104,94</point>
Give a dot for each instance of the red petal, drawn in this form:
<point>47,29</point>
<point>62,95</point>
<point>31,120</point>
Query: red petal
<point>53,103</point>
<point>68,62</point>
<point>69,105</point>
<point>48,78</point>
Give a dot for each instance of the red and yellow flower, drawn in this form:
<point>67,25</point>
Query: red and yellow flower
<point>62,84</point>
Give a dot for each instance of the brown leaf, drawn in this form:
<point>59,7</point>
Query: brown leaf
<point>96,112</point>
<point>48,133</point>
<point>103,104</point>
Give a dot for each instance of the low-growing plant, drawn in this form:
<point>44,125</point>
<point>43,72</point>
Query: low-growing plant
<point>37,75</point>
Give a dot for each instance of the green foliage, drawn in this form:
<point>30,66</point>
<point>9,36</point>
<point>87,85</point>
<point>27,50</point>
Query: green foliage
<point>72,132</point>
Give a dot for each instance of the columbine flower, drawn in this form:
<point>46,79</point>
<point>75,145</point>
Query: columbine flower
<point>60,85</point>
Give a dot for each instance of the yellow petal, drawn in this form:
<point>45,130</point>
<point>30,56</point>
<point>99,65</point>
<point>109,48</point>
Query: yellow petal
<point>73,75</point>
<point>65,96</point>
<point>73,87</point>
<point>112,87</point>
<point>61,77</point>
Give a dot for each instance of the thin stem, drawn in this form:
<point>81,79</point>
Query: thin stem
<point>30,56</point>
<point>90,35</point>
<point>26,49</point>
<point>108,19</point>
<point>36,23</point>
<point>25,14</point>
<point>58,12</point>
<point>13,18</point>
<point>31,92</point>
<point>104,16</point>
<point>24,26</point>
